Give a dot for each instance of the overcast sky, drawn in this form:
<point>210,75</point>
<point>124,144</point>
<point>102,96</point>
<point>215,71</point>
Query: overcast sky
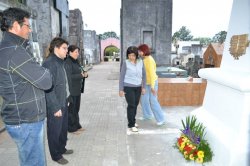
<point>204,18</point>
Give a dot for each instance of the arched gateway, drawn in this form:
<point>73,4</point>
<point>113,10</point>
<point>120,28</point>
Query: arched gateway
<point>108,42</point>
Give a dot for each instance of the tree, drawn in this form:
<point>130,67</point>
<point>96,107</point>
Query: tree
<point>205,41</point>
<point>182,35</point>
<point>110,50</point>
<point>106,35</point>
<point>220,37</point>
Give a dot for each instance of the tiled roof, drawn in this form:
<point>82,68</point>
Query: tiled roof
<point>218,48</point>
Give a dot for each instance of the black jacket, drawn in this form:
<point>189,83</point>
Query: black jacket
<point>57,95</point>
<point>22,82</point>
<point>75,78</point>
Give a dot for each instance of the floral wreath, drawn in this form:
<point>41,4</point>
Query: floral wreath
<point>191,142</point>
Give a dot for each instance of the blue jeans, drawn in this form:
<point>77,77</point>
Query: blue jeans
<point>29,138</point>
<point>149,103</point>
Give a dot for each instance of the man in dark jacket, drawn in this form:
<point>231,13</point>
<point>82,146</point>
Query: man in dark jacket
<point>22,85</point>
<point>57,103</point>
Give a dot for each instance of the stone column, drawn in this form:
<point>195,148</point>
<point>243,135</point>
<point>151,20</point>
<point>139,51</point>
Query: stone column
<point>147,22</point>
<point>76,29</point>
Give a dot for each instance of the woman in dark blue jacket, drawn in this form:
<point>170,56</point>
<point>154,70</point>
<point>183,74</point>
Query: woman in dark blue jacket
<point>76,77</point>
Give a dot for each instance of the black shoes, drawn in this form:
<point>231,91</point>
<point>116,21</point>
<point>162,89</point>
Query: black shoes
<point>70,151</point>
<point>62,161</point>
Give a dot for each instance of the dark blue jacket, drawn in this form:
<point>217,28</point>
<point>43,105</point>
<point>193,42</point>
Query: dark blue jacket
<point>22,82</point>
<point>75,78</point>
<point>57,95</point>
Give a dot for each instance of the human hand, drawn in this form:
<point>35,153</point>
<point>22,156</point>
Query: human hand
<point>85,74</point>
<point>154,92</point>
<point>143,91</point>
<point>82,73</point>
<point>121,93</point>
<point>58,113</point>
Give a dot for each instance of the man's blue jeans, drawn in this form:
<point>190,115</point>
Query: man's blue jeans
<point>150,104</point>
<point>29,138</point>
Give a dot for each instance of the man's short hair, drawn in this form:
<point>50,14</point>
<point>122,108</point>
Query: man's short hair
<point>10,15</point>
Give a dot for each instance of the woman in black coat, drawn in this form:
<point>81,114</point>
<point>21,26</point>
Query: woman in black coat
<point>76,77</point>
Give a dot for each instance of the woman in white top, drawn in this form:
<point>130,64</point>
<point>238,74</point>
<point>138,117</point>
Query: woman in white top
<point>131,84</point>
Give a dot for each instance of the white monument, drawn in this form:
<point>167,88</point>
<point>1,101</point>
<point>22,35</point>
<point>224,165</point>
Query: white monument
<point>226,106</point>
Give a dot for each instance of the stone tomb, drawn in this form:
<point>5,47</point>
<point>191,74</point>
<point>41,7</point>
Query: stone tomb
<point>181,91</point>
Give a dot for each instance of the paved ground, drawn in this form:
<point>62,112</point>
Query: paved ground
<point>106,141</point>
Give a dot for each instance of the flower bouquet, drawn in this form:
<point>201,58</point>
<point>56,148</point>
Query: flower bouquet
<point>191,142</point>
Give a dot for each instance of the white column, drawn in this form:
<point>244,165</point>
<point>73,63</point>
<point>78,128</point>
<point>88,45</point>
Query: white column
<point>226,106</point>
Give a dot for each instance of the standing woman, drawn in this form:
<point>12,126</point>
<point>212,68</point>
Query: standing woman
<point>76,77</point>
<point>131,84</point>
<point>149,100</point>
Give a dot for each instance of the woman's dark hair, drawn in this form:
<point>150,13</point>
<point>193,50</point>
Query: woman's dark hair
<point>10,15</point>
<point>132,49</point>
<point>72,48</point>
<point>145,49</point>
<point>56,42</point>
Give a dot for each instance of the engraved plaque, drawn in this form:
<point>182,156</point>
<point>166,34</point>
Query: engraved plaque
<point>238,45</point>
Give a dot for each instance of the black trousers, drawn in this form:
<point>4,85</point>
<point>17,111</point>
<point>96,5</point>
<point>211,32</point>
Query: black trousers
<point>73,120</point>
<point>57,130</point>
<point>132,95</point>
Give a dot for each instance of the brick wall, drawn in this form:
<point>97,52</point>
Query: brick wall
<point>181,92</point>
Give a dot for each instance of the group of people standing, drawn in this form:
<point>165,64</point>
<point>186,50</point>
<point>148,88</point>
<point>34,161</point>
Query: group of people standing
<point>139,83</point>
<point>30,92</point>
